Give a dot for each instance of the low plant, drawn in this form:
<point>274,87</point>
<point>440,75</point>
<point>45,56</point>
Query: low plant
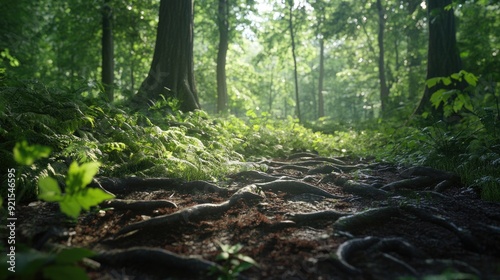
<point>232,262</point>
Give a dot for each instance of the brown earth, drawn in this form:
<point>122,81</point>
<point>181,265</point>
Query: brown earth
<point>306,217</point>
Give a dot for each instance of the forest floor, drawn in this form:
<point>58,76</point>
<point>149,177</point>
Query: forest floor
<point>305,217</point>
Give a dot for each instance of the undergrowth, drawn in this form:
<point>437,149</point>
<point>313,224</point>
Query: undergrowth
<point>159,142</point>
<point>165,142</point>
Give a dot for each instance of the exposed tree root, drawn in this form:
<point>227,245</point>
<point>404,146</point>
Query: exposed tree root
<point>132,184</point>
<point>201,186</point>
<point>294,187</point>
<point>438,175</point>
<point>156,262</point>
<point>417,183</point>
<point>323,169</point>
<point>374,244</point>
<point>293,167</point>
<point>370,217</point>
<point>195,213</point>
<point>253,175</point>
<point>350,247</point>
<point>363,190</point>
<point>464,235</point>
<point>138,205</point>
<point>331,215</point>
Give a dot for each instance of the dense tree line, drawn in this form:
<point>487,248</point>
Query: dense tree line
<point>341,60</point>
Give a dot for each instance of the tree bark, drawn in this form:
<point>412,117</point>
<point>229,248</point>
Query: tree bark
<point>223,24</point>
<point>295,74</point>
<point>443,58</point>
<point>321,102</point>
<point>171,73</point>
<point>107,74</point>
<point>384,90</point>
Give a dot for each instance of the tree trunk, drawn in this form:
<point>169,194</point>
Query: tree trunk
<point>295,74</point>
<point>107,73</point>
<point>221,56</point>
<point>443,58</point>
<point>384,90</point>
<point>321,102</point>
<point>171,73</point>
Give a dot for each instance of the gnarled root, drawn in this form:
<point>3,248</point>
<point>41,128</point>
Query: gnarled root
<point>294,187</point>
<point>155,262</point>
<point>196,212</point>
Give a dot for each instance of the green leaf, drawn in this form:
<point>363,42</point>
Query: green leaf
<point>70,206</point>
<point>73,255</point>
<point>26,154</point>
<point>471,79</point>
<point>432,82</point>
<point>80,176</point>
<point>49,190</point>
<point>446,81</point>
<point>437,97</point>
<point>92,197</point>
<point>456,76</point>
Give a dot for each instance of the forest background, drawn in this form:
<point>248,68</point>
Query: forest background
<point>334,77</point>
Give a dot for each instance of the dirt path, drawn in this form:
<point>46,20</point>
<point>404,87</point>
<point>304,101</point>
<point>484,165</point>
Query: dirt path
<point>306,217</point>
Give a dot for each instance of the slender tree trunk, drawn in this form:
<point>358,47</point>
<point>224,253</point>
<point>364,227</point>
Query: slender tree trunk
<point>295,74</point>
<point>443,58</point>
<point>321,102</point>
<point>412,50</point>
<point>223,24</point>
<point>107,52</point>
<point>384,90</point>
<point>171,73</point>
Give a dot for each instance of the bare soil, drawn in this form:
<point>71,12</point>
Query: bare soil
<point>306,217</point>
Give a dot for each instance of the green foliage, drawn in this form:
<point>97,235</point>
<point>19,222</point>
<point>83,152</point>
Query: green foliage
<point>233,262</point>
<point>76,196</point>
<point>31,264</point>
<point>26,154</point>
<point>453,101</point>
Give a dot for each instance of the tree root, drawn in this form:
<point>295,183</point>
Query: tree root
<point>363,190</point>
<point>377,216</point>
<point>138,205</point>
<point>438,175</point>
<point>464,235</point>
<point>132,184</point>
<point>374,244</point>
<point>323,169</point>
<point>253,175</point>
<point>416,183</point>
<point>350,247</point>
<point>157,262</point>
<point>196,212</point>
<point>331,215</point>
<point>294,187</point>
<point>361,220</point>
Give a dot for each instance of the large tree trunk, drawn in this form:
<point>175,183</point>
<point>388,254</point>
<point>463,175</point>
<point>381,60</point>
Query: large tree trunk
<point>107,73</point>
<point>443,58</point>
<point>321,102</point>
<point>221,56</point>
<point>295,74</point>
<point>171,72</point>
<point>384,90</point>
